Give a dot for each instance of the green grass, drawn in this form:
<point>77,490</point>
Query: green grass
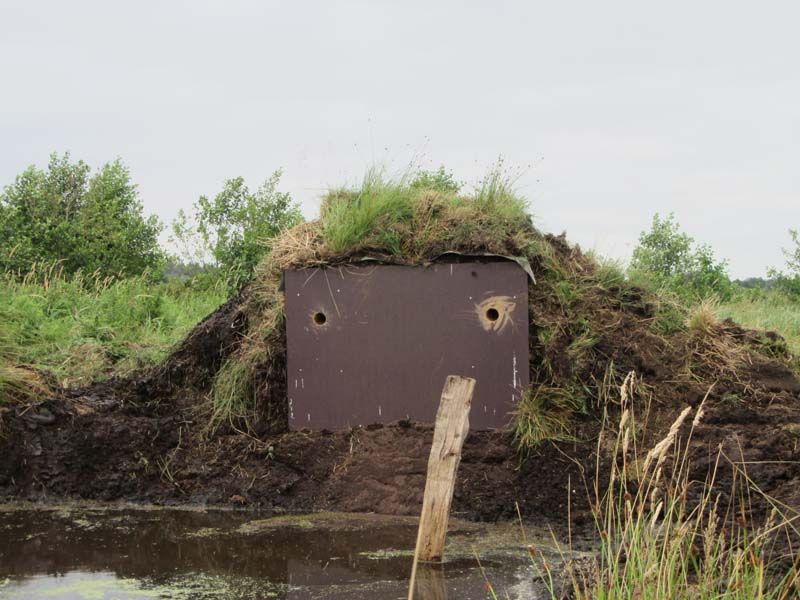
<point>399,218</point>
<point>77,329</point>
<point>771,311</point>
<point>351,218</point>
<point>544,414</point>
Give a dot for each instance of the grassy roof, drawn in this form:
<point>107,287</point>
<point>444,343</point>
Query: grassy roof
<point>403,221</point>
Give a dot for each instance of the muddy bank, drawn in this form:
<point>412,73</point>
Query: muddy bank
<point>103,444</point>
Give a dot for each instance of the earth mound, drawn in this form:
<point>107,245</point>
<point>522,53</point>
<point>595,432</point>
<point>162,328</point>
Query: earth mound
<point>209,425</point>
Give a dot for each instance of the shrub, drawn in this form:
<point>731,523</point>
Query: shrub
<point>789,283</point>
<point>232,230</point>
<point>89,223</point>
<point>671,259</point>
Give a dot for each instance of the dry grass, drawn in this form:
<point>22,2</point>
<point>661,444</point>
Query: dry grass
<point>20,382</point>
<point>657,543</point>
<point>702,319</point>
<point>234,396</point>
<point>664,534</point>
<point>713,353</point>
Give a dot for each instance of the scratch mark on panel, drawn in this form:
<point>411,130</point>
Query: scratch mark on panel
<point>380,412</point>
<point>514,361</point>
<point>330,289</point>
<point>314,272</point>
<point>309,417</point>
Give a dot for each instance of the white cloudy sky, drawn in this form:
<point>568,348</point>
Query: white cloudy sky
<point>615,110</point>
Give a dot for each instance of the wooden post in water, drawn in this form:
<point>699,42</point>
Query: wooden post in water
<point>450,431</point>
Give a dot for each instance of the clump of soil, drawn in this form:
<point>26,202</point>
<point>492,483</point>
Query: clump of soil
<point>146,438</point>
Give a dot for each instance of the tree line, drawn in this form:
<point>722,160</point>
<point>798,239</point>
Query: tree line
<point>94,222</point>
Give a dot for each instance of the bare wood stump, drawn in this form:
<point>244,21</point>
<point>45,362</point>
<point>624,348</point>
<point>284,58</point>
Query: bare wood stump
<point>451,429</point>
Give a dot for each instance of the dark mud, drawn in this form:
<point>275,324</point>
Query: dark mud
<point>106,449</point>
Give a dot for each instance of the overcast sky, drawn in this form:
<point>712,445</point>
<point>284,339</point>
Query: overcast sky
<point>614,110</point>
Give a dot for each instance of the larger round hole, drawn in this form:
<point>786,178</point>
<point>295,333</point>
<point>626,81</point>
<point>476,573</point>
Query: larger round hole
<point>492,314</point>
<point>320,318</point>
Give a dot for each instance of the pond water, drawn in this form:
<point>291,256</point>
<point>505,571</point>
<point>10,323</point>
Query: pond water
<point>132,553</point>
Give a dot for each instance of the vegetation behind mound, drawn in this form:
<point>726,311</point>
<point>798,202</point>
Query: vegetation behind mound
<point>60,329</point>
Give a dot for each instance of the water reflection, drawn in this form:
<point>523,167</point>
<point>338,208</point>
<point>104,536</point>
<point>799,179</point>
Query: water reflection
<point>130,554</point>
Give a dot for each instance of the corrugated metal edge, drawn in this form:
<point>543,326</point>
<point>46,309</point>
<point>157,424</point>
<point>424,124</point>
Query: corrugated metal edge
<point>520,260</point>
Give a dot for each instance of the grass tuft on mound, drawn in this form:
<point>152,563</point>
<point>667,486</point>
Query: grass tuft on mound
<point>401,222</point>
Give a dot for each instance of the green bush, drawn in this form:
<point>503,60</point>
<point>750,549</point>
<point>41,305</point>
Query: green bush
<point>90,223</point>
<point>789,282</point>
<point>231,231</point>
<point>670,259</point>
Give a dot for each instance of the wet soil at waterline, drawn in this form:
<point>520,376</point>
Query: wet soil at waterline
<point>104,443</point>
<point>95,552</point>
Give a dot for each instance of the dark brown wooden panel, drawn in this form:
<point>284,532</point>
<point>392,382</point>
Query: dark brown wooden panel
<point>374,344</point>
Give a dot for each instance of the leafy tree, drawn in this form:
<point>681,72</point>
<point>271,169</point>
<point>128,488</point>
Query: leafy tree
<point>789,282</point>
<point>670,258</point>
<point>88,222</point>
<point>124,240</point>
<point>232,230</point>
<point>793,254</point>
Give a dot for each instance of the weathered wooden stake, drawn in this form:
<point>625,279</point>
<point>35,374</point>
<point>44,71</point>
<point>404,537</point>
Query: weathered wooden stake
<point>450,431</point>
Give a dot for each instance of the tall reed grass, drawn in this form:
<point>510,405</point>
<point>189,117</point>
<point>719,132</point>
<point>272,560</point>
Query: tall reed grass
<point>661,534</point>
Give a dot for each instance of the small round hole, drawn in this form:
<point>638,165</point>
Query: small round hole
<point>492,314</point>
<point>320,318</point>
